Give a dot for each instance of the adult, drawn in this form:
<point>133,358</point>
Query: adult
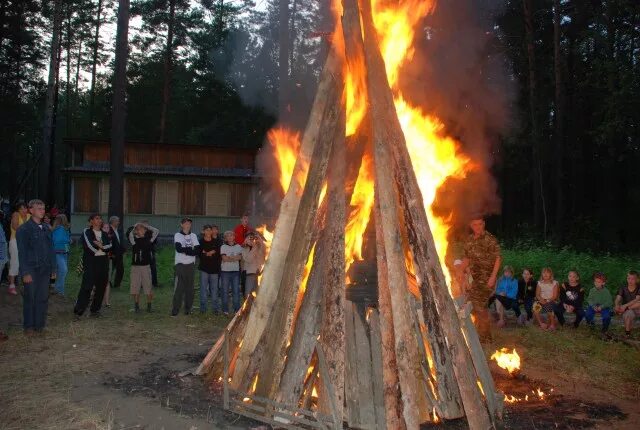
<point>253,256</point>
<point>19,217</point>
<point>187,248</point>
<point>482,257</point>
<point>117,252</point>
<point>627,301</point>
<point>141,263</point>
<point>241,231</point>
<point>96,244</point>
<point>231,254</point>
<point>37,265</point>
<point>209,268</point>
<point>61,242</point>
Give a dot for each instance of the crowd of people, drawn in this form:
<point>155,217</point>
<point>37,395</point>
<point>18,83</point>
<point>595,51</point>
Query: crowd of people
<point>545,300</point>
<point>229,265</point>
<point>38,254</point>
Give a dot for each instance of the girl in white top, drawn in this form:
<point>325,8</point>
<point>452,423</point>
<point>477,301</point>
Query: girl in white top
<point>547,292</point>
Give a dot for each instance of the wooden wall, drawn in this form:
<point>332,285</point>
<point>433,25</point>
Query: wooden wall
<point>142,154</point>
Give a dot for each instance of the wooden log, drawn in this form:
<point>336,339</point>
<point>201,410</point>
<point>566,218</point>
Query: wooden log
<point>364,371</point>
<point>377,366</point>
<point>438,307</point>
<point>323,112</point>
<point>352,411</point>
<point>391,383</point>
<point>282,315</point>
<point>332,337</point>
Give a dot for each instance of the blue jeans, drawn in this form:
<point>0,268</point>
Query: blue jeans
<point>209,288</point>
<point>35,301</point>
<point>61,272</point>
<point>230,279</point>
<point>604,313</point>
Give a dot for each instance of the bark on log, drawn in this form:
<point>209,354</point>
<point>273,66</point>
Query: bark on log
<point>436,300</point>
<point>282,316</point>
<point>391,384</point>
<point>326,98</point>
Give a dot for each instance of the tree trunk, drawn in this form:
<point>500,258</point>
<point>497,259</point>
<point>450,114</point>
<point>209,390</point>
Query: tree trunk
<point>46,157</point>
<point>94,64</point>
<point>166,78</point>
<point>326,98</point>
<point>539,202</point>
<point>436,299</point>
<point>119,113</point>
<point>559,123</point>
<point>67,102</point>
<point>283,62</point>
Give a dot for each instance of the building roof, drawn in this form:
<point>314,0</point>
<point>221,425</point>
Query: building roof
<point>167,171</point>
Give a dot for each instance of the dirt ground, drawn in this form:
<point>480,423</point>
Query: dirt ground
<point>123,371</point>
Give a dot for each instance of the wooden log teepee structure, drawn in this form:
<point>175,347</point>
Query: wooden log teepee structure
<point>310,358</point>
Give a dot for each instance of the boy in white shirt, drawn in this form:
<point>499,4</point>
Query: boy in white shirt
<point>187,248</point>
<point>231,254</point>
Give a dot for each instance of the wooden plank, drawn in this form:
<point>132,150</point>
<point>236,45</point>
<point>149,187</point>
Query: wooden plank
<point>376,365</point>
<point>351,377</point>
<point>329,390</point>
<point>437,303</point>
<point>391,383</point>
<point>327,97</point>
<point>364,371</point>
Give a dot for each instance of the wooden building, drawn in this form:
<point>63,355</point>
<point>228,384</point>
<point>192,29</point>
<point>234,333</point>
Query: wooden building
<point>163,183</point>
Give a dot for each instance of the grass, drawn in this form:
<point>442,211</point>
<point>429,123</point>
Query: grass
<point>36,374</point>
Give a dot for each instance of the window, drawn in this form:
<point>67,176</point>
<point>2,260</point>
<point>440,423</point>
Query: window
<point>240,199</point>
<point>166,198</point>
<point>218,196</point>
<point>139,196</point>
<point>86,195</point>
<point>192,197</point>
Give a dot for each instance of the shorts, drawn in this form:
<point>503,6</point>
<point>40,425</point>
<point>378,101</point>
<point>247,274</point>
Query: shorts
<point>14,266</point>
<point>631,314</point>
<point>141,278</point>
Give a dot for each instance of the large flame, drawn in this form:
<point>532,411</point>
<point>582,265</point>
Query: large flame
<point>510,361</point>
<point>286,145</point>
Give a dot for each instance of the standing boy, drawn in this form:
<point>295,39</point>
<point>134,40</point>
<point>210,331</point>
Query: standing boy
<point>628,301</point>
<point>96,244</point>
<point>37,266</point>
<point>210,268</point>
<point>187,248</point>
<point>141,262</point>
<point>231,254</point>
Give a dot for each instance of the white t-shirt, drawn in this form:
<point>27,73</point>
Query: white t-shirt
<point>230,251</point>
<point>98,234</point>
<point>187,241</point>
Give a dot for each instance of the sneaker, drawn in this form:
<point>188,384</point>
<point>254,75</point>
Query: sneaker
<point>627,334</point>
<point>12,290</point>
<point>95,314</point>
<point>522,319</point>
<point>174,314</point>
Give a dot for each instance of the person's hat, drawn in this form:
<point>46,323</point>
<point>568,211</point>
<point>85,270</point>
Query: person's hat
<point>185,219</point>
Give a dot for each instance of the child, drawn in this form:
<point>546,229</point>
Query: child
<point>231,254</point>
<point>628,302</point>
<point>506,295</point>
<point>599,301</point>
<point>141,262</point>
<point>209,268</point>
<point>253,255</point>
<point>546,298</point>
<point>527,292</point>
<point>61,241</point>
<point>187,248</point>
<point>571,298</point>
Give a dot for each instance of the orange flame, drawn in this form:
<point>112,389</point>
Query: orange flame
<point>361,203</point>
<point>286,145</point>
<point>510,361</point>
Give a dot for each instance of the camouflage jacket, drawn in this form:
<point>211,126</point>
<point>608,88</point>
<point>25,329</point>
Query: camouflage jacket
<point>482,253</point>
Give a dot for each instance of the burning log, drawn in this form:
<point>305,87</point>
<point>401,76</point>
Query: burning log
<point>438,307</point>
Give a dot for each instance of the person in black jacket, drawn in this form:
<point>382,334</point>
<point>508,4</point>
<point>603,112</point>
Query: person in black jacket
<point>571,299</point>
<point>96,244</point>
<point>37,265</point>
<point>527,292</point>
<point>141,256</point>
<point>117,252</point>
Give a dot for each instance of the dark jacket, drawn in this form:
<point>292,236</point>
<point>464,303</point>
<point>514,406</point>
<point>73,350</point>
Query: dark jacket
<point>573,296</point>
<point>90,249</point>
<point>117,245</point>
<point>142,247</point>
<point>35,248</point>
<point>210,264</point>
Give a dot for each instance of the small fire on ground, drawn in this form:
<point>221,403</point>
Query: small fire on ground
<point>510,361</point>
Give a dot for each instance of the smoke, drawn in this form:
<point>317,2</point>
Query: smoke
<point>458,75</point>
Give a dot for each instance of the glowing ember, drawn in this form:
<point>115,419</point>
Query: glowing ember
<point>314,392</point>
<point>541,395</point>
<point>510,361</point>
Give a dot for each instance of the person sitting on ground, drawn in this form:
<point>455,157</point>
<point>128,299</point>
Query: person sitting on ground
<point>628,302</point>
<point>506,295</point>
<point>546,298</point>
<point>571,299</point>
<point>210,268</point>
<point>187,248</point>
<point>599,301</point>
<point>253,256</point>
<point>527,293</point>
<point>141,263</point>
<point>231,254</point>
